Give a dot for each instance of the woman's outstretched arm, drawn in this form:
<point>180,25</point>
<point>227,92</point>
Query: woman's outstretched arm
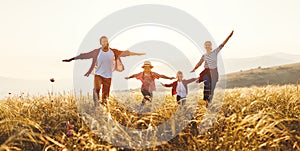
<point>198,64</point>
<point>225,41</point>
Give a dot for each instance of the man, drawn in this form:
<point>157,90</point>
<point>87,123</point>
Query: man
<point>147,78</point>
<point>104,60</point>
<point>179,87</point>
<point>210,74</point>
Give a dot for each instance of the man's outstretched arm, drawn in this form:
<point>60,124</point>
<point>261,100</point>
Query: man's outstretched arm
<point>68,60</point>
<point>136,53</point>
<point>129,53</point>
<point>87,55</point>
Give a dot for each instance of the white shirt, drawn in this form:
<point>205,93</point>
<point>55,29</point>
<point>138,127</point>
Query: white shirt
<point>105,63</point>
<point>180,90</point>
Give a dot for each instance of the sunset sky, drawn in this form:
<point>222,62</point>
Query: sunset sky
<point>37,35</point>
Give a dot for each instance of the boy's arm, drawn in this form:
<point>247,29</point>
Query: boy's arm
<point>198,64</point>
<point>167,85</point>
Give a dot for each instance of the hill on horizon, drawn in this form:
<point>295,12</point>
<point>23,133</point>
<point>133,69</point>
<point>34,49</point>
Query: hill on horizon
<point>276,75</point>
<point>276,59</point>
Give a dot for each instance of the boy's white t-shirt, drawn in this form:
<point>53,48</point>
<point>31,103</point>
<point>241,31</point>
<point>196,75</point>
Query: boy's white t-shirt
<point>105,63</point>
<point>180,90</point>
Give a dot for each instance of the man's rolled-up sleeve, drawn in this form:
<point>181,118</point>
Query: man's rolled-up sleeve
<point>86,55</point>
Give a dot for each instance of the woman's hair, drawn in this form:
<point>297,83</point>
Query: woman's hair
<point>207,42</point>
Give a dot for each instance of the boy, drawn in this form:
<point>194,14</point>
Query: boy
<point>180,88</point>
<point>148,77</point>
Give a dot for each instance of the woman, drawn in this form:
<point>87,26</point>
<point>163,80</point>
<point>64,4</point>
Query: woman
<point>210,73</point>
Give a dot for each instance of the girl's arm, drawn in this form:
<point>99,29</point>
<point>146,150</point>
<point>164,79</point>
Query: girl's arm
<point>166,77</point>
<point>132,76</point>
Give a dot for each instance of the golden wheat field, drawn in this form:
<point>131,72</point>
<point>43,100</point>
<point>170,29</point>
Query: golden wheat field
<point>256,118</point>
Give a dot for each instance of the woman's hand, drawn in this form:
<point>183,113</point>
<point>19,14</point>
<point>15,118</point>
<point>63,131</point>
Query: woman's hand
<point>231,33</point>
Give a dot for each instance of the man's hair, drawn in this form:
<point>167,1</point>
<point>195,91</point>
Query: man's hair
<point>102,38</point>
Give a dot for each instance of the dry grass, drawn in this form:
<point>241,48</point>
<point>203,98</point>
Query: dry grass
<point>257,118</point>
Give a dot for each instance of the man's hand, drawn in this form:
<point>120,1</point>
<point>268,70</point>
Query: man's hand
<point>87,74</point>
<point>192,71</point>
<point>67,60</point>
<point>130,53</point>
<point>141,54</point>
<point>162,84</point>
<point>127,78</point>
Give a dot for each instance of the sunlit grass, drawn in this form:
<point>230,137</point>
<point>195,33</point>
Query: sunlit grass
<point>257,118</point>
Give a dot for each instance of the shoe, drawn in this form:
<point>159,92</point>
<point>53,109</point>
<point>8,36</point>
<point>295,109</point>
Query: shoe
<point>148,98</point>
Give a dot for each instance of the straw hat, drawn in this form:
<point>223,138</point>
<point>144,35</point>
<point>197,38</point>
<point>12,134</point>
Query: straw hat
<point>147,63</point>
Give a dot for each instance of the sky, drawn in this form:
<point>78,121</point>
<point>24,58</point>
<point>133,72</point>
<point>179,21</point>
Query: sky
<point>37,35</point>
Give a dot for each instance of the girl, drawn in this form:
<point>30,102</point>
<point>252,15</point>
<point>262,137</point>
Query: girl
<point>148,85</point>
